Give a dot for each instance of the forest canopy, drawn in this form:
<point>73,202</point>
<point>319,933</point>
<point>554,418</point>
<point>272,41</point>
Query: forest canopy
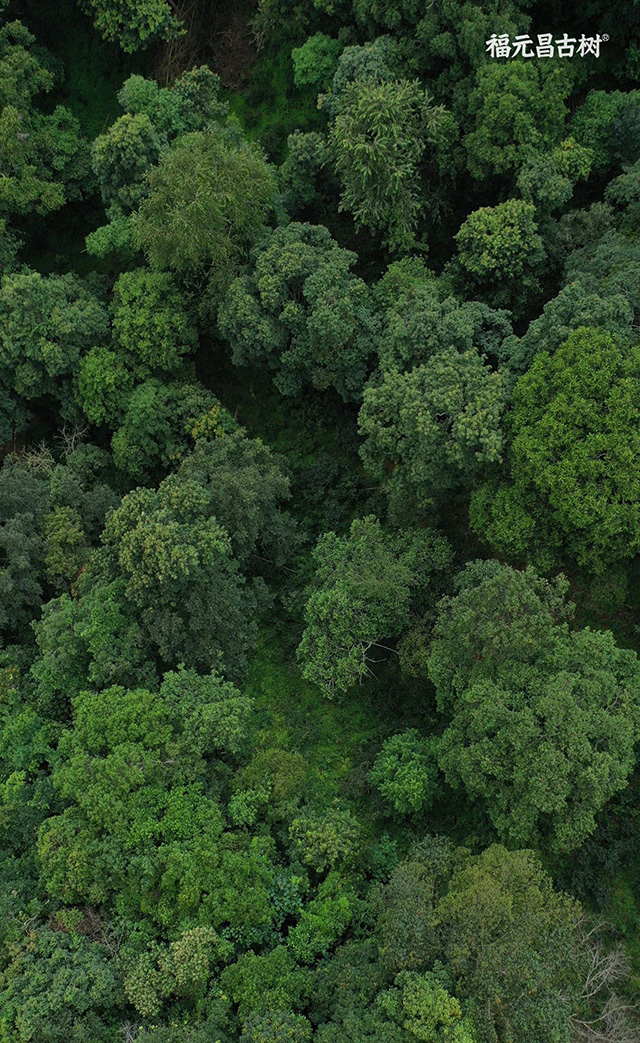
<point>319,521</point>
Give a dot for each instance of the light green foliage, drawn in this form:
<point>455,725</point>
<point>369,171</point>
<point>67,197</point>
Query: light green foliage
<point>59,986</point>
<point>520,110</point>
<point>138,821</point>
<point>276,1028</point>
<point>500,253</point>
<point>360,599</point>
<point>44,160</point>
<point>101,385</point>
<point>510,942</point>
<point>405,772</point>
<point>324,920</point>
<point>192,602</point>
<point>159,424</point>
<point>268,983</point>
<point>573,455</point>
<point>206,205</point>
<point>326,839</point>
<point>151,322</point>
<point>46,325</point>
<point>302,312</point>
<point>428,1012</point>
<point>181,969</point>
<point>434,428</point>
<point>543,721</point>
<point>134,23</point>
<point>380,134</point>
<point>315,62</point>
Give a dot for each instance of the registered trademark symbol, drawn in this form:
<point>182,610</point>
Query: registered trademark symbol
<point>605,37</point>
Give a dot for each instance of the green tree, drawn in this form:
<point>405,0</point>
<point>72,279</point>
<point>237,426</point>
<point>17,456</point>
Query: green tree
<point>379,137</point>
<point>193,604</point>
<point>102,383</point>
<point>595,124</point>
<point>434,428</point>
<point>577,304</point>
<point>276,1028</point>
<point>543,721</point>
<point>121,158</point>
<point>44,159</point>
<point>511,945</point>
<point>134,24</point>
<point>572,456</point>
<point>247,487</point>
<point>125,153</point>
<point>151,322</point>
<point>500,254</point>
<point>426,1010</point>
<point>59,986</point>
<point>546,749</point>
<point>159,423</point>
<point>206,205</point>
<point>405,772</point>
<point>360,598</point>
<point>498,617</point>
<point>266,983</point>
<point>324,920</point>
<point>315,62</point>
<point>323,839</point>
<point>520,110</point>
<point>140,830</point>
<point>302,312</point>
<point>46,324</point>
<point>423,320</point>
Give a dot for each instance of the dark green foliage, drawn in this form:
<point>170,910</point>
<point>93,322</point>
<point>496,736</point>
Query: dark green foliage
<point>262,727</point>
<point>302,312</point>
<point>159,424</point>
<point>133,23</point>
<point>192,602</point>
<point>45,161</point>
<point>434,428</point>
<point>544,720</point>
<point>380,134</point>
<point>360,598</point>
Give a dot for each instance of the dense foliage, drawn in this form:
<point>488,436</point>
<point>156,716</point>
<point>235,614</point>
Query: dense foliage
<point>319,523</point>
